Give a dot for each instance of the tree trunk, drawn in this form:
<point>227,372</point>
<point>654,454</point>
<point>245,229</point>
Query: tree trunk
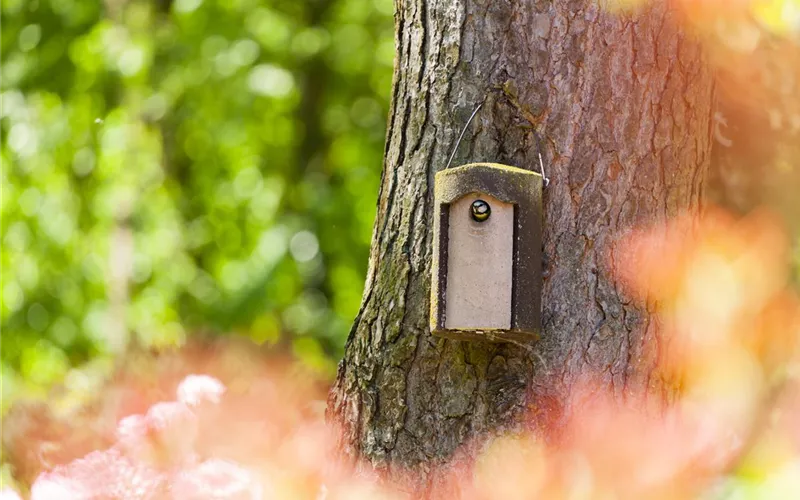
<point>622,104</point>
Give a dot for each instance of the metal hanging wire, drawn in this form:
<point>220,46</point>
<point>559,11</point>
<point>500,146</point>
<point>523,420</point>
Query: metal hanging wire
<point>464,131</point>
<point>541,162</point>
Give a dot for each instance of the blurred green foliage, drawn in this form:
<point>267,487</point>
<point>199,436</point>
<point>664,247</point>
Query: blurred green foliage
<point>178,166</point>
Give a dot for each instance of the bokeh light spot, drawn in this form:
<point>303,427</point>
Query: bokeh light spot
<point>29,37</point>
<point>269,80</point>
<point>22,139</point>
<point>304,246</point>
<point>186,6</point>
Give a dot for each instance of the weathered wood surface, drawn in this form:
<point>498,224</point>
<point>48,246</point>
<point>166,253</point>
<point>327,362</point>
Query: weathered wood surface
<point>480,261</point>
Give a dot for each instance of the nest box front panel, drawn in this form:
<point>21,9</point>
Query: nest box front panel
<point>486,279</point>
<point>479,263</point>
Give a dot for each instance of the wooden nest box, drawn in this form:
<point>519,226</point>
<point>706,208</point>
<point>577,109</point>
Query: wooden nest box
<point>486,281</point>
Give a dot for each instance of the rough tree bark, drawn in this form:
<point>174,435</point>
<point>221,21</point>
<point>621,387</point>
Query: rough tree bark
<point>623,106</point>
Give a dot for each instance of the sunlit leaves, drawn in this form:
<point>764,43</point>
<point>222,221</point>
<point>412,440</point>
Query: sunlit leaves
<point>172,170</point>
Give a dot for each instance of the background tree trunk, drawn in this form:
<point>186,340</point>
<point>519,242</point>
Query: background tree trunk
<point>622,104</point>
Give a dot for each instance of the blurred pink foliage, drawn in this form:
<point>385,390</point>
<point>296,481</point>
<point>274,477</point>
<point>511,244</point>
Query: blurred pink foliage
<point>153,458</point>
<point>107,474</point>
<point>9,494</point>
<point>197,389</point>
<point>727,322</point>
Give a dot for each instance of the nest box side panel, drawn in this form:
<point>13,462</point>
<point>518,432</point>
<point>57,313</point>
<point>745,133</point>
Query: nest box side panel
<point>480,261</point>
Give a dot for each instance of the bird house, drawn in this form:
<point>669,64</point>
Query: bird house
<point>487,250</point>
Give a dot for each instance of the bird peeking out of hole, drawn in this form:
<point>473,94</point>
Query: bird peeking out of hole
<point>480,211</point>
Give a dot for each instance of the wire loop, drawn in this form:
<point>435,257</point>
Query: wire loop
<point>464,131</point>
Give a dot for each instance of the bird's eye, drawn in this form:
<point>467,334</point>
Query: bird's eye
<point>480,210</point>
